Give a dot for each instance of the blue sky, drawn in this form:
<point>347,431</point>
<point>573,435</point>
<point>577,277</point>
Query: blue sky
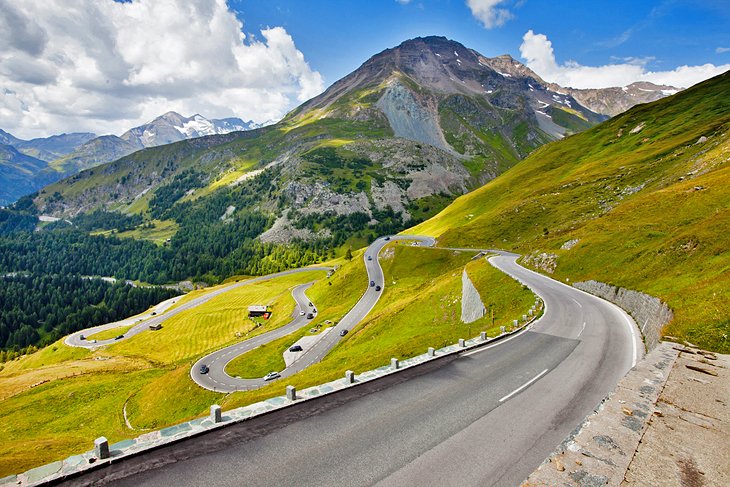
<point>105,66</point>
<point>337,36</point>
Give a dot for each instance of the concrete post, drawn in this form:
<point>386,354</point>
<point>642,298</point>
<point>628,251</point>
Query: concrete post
<point>101,448</point>
<point>350,377</point>
<point>530,313</point>
<point>394,363</point>
<point>462,343</point>
<point>483,336</point>
<point>431,352</point>
<point>524,317</point>
<point>502,329</point>
<point>515,323</point>
<point>291,393</point>
<point>215,413</point>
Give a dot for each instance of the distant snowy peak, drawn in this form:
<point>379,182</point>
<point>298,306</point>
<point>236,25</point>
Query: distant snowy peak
<point>173,127</point>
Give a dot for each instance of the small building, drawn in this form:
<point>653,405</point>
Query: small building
<point>255,311</point>
<point>157,326</point>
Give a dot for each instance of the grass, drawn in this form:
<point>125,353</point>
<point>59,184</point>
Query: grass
<point>112,333</point>
<point>62,417</point>
<point>216,323</point>
<point>420,310</point>
<point>161,231</point>
<point>650,209</point>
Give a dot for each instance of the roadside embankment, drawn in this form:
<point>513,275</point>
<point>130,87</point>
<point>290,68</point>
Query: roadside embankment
<point>667,423</point>
<point>650,313</point>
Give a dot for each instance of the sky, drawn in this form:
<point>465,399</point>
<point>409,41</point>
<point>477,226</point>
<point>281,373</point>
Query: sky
<point>105,66</point>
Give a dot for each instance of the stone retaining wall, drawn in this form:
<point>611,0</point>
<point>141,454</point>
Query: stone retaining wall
<point>649,312</point>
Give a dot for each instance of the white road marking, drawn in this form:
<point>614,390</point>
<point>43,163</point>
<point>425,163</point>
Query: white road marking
<point>576,302</point>
<point>581,330</point>
<point>523,386</point>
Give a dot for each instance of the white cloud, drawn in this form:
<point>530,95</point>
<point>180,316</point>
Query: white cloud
<point>488,12</point>
<point>721,50</point>
<point>537,51</point>
<point>104,66</point>
<point>403,2</point>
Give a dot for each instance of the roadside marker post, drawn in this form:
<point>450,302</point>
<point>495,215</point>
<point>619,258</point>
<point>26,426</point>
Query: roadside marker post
<point>216,413</point>
<point>462,343</point>
<point>101,448</point>
<point>291,393</point>
<point>394,363</point>
<point>483,336</point>
<point>431,352</point>
<point>350,377</point>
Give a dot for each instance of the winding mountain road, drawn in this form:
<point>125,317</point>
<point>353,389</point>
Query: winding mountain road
<point>216,379</point>
<point>161,314</point>
<point>487,417</point>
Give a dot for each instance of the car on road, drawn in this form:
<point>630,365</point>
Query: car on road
<point>204,369</point>
<point>372,283</point>
<point>302,313</point>
<point>119,337</point>
<point>272,376</point>
<point>370,257</point>
<point>377,288</point>
<point>295,348</point>
<point>387,238</point>
<point>310,316</point>
<point>82,337</point>
<point>343,333</point>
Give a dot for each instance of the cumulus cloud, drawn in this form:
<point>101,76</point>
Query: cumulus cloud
<point>105,66</point>
<point>488,12</point>
<point>537,51</point>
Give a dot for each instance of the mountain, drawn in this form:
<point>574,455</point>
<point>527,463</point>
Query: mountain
<point>17,172</point>
<point>606,101</point>
<point>641,201</point>
<point>67,154</point>
<point>394,141</point>
<point>51,148</point>
<point>173,127</point>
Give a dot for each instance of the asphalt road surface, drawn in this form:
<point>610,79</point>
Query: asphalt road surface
<point>218,380</point>
<point>487,418</point>
<point>75,340</point>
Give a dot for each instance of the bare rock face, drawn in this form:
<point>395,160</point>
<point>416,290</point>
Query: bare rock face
<point>319,198</point>
<point>282,231</point>
<point>410,119</point>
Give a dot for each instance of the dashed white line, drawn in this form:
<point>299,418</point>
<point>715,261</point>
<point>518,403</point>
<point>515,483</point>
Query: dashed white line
<point>581,330</point>
<point>576,302</point>
<point>523,385</point>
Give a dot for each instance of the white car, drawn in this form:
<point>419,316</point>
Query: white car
<point>301,313</point>
<point>272,376</point>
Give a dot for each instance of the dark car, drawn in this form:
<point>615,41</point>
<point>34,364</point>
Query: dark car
<point>343,333</point>
<point>204,369</point>
<point>372,283</point>
<point>370,257</point>
<point>387,238</point>
<point>377,288</point>
<point>119,337</point>
<point>295,348</point>
<point>310,316</point>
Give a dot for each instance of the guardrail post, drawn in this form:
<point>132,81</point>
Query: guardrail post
<point>291,393</point>
<point>215,413</point>
<point>524,317</point>
<point>502,329</point>
<point>515,323</point>
<point>431,351</point>
<point>483,336</point>
<point>462,343</point>
<point>531,312</point>
<point>394,363</point>
<point>350,377</point>
<point>101,448</point>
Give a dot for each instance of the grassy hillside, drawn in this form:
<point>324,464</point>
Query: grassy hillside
<point>645,194</point>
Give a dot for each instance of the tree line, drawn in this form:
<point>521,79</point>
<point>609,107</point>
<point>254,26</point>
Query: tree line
<point>36,310</point>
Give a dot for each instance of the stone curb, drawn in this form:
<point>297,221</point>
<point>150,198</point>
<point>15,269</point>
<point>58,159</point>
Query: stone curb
<point>599,451</point>
<point>77,465</point>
